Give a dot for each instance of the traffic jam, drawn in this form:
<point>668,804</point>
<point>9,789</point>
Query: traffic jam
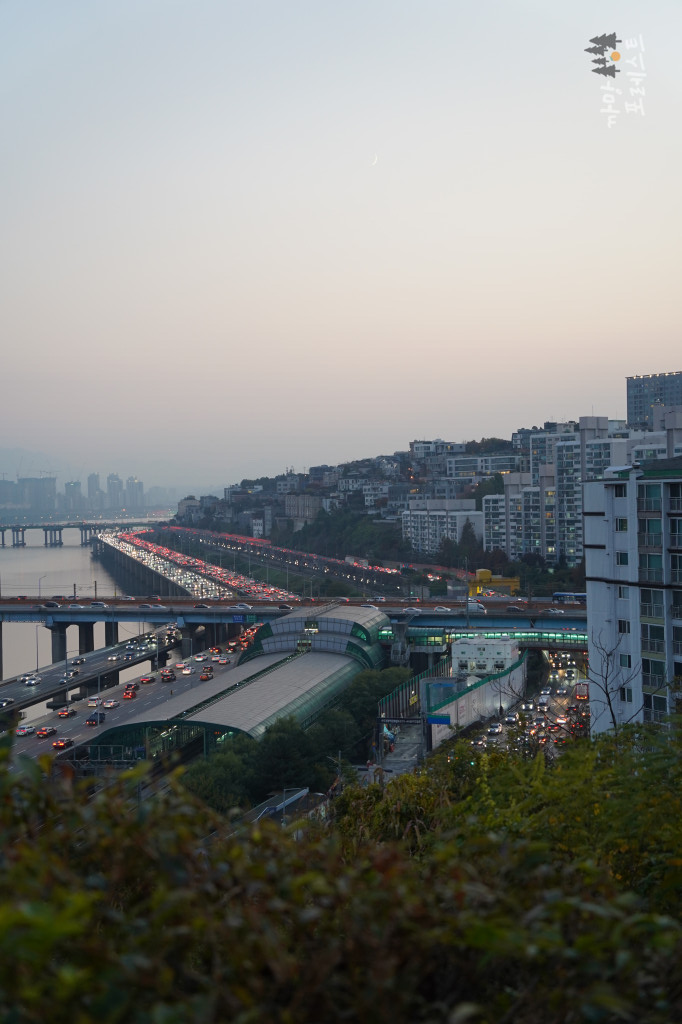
<point>557,716</point>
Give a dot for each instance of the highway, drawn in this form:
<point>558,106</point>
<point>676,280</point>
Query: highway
<point>149,695</point>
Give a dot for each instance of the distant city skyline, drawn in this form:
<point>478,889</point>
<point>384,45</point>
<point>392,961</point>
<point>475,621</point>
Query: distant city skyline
<point>238,237</point>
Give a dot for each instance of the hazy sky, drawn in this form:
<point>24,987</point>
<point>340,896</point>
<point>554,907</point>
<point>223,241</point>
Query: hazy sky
<point>241,236</point>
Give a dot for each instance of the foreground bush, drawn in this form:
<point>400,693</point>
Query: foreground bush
<point>123,913</point>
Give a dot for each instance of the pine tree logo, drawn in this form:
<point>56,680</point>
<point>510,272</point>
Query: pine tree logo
<point>606,61</point>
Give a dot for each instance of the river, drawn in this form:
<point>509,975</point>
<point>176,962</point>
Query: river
<point>42,572</point>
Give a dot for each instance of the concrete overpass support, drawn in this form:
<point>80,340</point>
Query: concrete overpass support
<point>58,700</point>
<point>18,537</point>
<point>58,642</point>
<point>2,534</point>
<point>86,637</point>
<point>110,634</point>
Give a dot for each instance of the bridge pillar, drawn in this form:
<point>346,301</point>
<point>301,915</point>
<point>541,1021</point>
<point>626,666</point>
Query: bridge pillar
<point>187,641</point>
<point>58,632</point>
<point>110,634</point>
<point>86,637</point>
<point>2,532</point>
<point>58,700</point>
<point>18,538</point>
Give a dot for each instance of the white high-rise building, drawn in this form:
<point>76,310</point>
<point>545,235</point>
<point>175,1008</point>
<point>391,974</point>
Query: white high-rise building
<point>633,552</point>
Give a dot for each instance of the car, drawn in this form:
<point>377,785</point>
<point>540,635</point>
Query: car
<point>76,606</point>
<point>555,611</point>
<point>414,611</point>
<point>205,676</point>
<point>528,705</point>
<point>546,691</point>
<point>215,657</point>
<point>511,719</point>
<point>24,730</point>
<point>129,657</point>
<point>33,681</point>
<point>114,657</point>
<point>442,608</point>
<point>168,677</point>
<point>561,720</point>
<point>125,597</point>
<point>94,702</point>
<point>187,670</point>
<point>223,661</point>
<point>200,657</point>
<point>132,686</point>
<point>6,701</point>
<point>370,606</point>
<point>129,694</point>
<point>62,743</point>
<point>284,607</point>
<point>144,606</point>
<point>147,679</point>
<point>52,604</point>
<point>66,712</point>
<point>110,704</point>
<point>45,730</point>
<point>96,719</point>
<point>64,679</point>
<point>242,607</point>
<point>202,606</point>
<point>494,729</point>
<point>78,661</point>
<point>562,691</point>
<point>98,604</point>
<point>72,673</point>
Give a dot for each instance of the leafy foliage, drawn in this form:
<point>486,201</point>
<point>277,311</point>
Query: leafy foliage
<point>492,891</point>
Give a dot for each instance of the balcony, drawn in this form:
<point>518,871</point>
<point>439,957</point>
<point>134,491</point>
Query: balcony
<point>655,682</point>
<point>676,575</point>
<point>675,505</point>
<point>652,611</point>
<point>652,575</point>
<point>677,646</point>
<point>649,540</point>
<point>648,504</point>
<point>655,716</point>
<point>653,646</point>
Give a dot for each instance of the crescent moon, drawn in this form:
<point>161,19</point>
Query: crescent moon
<point>375,160</point>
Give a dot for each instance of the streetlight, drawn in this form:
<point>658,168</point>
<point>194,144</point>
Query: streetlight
<point>40,580</point>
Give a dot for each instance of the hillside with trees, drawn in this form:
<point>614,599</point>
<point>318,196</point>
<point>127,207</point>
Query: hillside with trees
<point>486,889</point>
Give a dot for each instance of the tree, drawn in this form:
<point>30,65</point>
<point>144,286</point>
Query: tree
<point>611,689</point>
<point>611,71</point>
<point>609,41</point>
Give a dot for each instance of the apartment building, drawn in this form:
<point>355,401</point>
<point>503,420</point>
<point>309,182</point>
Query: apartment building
<point>426,523</point>
<point>647,392</point>
<point>633,552</point>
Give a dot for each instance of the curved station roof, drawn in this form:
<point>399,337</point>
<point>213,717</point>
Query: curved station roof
<point>296,666</point>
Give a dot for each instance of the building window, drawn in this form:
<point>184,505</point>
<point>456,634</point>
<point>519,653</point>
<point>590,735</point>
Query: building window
<point>625,660</point>
<point>623,592</point>
<point>621,558</point>
<point>621,525</point>
<point>623,626</point>
<point>626,694</point>
<point>620,491</point>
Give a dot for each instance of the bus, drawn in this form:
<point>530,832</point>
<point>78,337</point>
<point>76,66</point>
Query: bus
<point>568,597</point>
<point>582,691</point>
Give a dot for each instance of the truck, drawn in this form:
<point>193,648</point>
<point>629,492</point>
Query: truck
<point>582,691</point>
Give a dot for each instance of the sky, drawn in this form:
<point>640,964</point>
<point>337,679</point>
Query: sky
<point>239,237</point>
